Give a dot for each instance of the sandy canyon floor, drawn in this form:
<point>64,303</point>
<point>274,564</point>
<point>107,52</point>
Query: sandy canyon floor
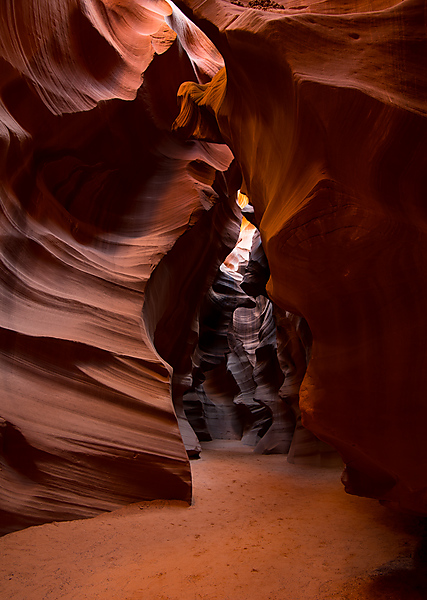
<point>259,528</point>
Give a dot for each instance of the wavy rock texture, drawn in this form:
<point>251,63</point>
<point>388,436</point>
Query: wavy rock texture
<point>220,400</point>
<point>324,107</point>
<point>90,203</point>
<point>175,294</point>
<point>242,385</point>
<point>215,382</point>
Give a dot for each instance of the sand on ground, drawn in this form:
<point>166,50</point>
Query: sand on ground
<point>259,528</point>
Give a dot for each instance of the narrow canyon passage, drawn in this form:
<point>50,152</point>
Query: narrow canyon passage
<point>259,528</point>
<point>130,334</point>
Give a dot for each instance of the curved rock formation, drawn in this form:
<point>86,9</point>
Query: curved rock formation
<point>243,385</point>
<point>90,203</point>
<point>324,106</point>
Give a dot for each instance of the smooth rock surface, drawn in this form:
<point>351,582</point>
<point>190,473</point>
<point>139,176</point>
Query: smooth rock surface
<point>324,107</point>
<point>91,201</point>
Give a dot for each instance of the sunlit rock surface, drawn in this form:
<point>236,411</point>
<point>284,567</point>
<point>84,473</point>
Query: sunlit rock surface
<point>248,364</point>
<point>237,376</point>
<point>218,375</point>
<point>324,106</point>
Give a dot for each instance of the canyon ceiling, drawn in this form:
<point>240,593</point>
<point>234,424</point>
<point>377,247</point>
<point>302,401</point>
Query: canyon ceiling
<point>127,129</point>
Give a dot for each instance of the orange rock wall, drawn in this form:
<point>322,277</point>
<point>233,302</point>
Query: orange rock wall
<point>324,109</point>
<point>94,193</point>
<point>323,106</point>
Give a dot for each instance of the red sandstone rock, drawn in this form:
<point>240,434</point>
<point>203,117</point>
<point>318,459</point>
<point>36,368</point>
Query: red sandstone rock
<point>323,106</point>
<point>90,203</point>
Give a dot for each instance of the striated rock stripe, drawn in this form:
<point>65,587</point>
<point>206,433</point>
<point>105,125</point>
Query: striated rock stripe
<point>90,202</point>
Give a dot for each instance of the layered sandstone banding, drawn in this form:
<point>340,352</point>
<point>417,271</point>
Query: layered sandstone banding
<point>322,106</point>
<point>236,374</point>
<point>90,203</point>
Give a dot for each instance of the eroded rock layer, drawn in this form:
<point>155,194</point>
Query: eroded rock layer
<point>324,107</point>
<point>91,200</point>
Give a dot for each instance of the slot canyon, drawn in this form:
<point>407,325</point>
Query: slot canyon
<point>213,257</point>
